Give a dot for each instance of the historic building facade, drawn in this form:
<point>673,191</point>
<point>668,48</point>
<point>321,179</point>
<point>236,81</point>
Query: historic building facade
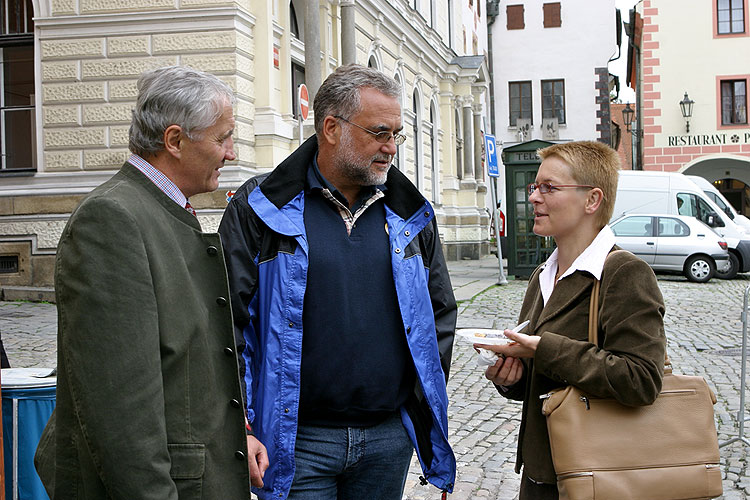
<point>551,83</point>
<point>70,68</point>
<point>696,51</point>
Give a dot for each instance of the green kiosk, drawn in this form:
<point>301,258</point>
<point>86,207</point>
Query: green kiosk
<point>525,249</point>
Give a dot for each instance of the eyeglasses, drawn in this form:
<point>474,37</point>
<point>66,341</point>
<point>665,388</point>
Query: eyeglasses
<point>546,187</point>
<point>382,137</point>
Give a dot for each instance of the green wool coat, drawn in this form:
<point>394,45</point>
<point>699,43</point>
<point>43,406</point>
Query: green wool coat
<point>148,391</point>
<point>628,366</point>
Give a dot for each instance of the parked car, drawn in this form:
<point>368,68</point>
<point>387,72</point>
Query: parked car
<point>717,197</point>
<point>655,192</point>
<point>678,243</point>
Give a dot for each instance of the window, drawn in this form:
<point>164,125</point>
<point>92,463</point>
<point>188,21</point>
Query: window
<point>520,101</point>
<point>515,17</point>
<point>459,146</point>
<point>417,139</point>
<point>669,226</point>
<point>298,78</point>
<point>450,24</point>
<point>730,16</point>
<point>720,203</point>
<point>294,26</point>
<point>733,102</point>
<point>692,205</point>
<point>17,124</point>
<point>552,17</point>
<point>434,155</point>
<point>553,99</point>
<point>639,225</point>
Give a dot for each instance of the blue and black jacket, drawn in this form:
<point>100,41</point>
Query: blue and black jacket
<point>265,245</point>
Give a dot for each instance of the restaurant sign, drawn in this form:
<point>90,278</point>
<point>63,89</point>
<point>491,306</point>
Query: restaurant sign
<point>724,138</point>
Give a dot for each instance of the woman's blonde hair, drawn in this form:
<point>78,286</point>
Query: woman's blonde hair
<point>592,163</point>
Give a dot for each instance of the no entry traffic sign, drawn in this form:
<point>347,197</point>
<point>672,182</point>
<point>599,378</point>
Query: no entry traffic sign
<point>303,99</point>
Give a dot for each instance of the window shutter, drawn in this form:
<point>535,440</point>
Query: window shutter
<point>515,17</point>
<point>552,18</point>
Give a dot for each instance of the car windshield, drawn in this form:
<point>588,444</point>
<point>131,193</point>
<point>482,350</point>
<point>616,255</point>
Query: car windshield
<point>720,203</point>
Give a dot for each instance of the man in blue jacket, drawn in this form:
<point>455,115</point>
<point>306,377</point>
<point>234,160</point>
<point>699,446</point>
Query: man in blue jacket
<point>343,307</point>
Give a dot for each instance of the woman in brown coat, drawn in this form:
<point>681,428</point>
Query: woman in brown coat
<point>573,198</point>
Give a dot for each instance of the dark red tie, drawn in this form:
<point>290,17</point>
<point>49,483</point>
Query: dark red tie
<point>190,208</point>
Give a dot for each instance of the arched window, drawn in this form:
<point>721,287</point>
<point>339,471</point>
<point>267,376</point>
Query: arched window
<point>459,146</point>
<point>295,28</point>
<point>17,123</point>
<point>417,133</point>
<point>372,63</point>
<point>398,161</point>
<point>435,169</point>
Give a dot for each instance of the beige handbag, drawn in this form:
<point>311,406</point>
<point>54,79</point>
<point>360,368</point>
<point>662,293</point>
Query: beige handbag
<point>603,450</point>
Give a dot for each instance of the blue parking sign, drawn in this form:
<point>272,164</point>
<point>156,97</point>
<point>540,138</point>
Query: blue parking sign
<point>491,151</point>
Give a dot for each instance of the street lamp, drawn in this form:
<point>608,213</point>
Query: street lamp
<point>686,106</point>
<point>628,115</point>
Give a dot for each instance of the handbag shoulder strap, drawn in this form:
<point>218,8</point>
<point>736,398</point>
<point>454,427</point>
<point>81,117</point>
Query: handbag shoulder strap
<point>594,313</point>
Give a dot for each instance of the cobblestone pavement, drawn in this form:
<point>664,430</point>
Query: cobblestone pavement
<point>704,331</point>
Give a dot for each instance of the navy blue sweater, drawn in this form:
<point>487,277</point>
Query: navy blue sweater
<point>356,367</point>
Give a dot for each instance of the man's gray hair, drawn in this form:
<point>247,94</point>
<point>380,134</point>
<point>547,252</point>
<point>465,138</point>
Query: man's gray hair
<point>339,93</point>
<point>175,95</point>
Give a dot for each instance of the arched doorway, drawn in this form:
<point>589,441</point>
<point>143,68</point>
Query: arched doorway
<point>736,192</point>
<point>729,173</point>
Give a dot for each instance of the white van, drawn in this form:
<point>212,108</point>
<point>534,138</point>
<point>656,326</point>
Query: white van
<point>649,192</point>
<point>718,198</point>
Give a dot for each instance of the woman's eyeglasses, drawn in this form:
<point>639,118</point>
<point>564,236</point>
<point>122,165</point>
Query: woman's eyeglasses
<point>546,187</point>
<point>382,137</point>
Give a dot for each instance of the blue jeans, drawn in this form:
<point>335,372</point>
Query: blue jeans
<point>351,463</point>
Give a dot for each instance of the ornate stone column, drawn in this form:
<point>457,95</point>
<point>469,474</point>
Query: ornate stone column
<point>468,147</point>
<point>477,126</point>
<point>312,48</point>
<point>348,33</point>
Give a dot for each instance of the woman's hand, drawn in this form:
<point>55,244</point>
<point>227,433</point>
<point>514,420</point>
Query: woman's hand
<point>507,371</point>
<point>523,346</point>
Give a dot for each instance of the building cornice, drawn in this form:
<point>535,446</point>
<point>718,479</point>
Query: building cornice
<point>184,20</point>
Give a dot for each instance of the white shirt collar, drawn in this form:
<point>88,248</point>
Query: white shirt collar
<point>591,260</point>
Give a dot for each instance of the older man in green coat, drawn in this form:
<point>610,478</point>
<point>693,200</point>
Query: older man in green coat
<point>149,404</point>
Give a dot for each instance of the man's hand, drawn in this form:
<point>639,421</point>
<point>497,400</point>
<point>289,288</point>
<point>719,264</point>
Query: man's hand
<point>257,461</point>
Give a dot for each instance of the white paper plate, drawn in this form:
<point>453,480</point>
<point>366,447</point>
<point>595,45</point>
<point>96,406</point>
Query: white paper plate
<point>483,336</point>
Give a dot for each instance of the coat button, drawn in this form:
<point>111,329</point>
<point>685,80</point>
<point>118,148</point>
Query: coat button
<point>229,351</point>
<point>407,233</point>
<point>398,250</point>
<point>427,214</point>
<point>286,410</point>
<point>221,301</point>
<point>291,325</point>
<point>239,455</point>
<point>212,250</point>
<point>408,329</point>
<point>235,403</point>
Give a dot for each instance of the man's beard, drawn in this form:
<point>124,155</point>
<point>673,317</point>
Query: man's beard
<point>356,167</point>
